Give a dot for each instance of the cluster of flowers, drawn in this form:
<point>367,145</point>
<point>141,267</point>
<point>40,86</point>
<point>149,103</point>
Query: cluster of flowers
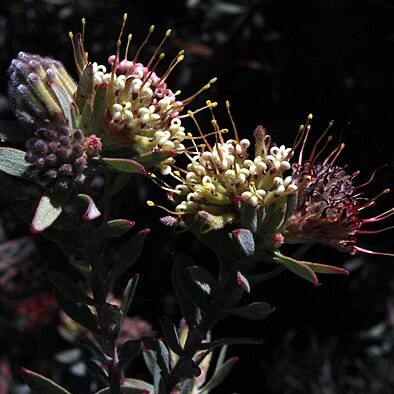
<point>130,108</point>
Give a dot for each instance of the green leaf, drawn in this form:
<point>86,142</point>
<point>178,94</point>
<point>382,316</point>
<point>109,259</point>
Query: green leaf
<point>82,266</point>
<point>219,375</point>
<point>298,267</point>
<point>128,294</point>
<point>99,108</point>
<point>95,350</point>
<point>162,355</point>
<point>69,288</point>
<point>254,311</point>
<point>146,388</point>
<point>230,341</point>
<point>190,311</point>
<point>204,279</point>
<point>130,254</point>
<point>40,384</point>
<point>91,212</point>
<point>128,166</point>
<point>245,241</point>
<point>149,160</point>
<point>80,313</point>
<point>12,162</point>
<point>326,269</point>
<point>171,335</point>
<point>129,390</point>
<point>113,228</point>
<point>128,352</point>
<point>85,87</point>
<point>97,371</point>
<point>48,210</point>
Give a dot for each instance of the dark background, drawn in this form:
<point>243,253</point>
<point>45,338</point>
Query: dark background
<point>276,61</point>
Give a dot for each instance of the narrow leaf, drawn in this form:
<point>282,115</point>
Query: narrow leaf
<point>129,390</point>
<point>162,355</point>
<point>128,294</point>
<point>230,341</point>
<point>97,371</point>
<point>12,162</point>
<point>92,211</point>
<point>145,387</point>
<point>171,335</point>
<point>80,313</point>
<point>128,166</point>
<point>95,350</point>
<point>40,384</point>
<point>245,241</point>
<point>297,267</point>
<point>128,352</point>
<point>48,210</point>
<point>326,269</point>
<point>69,288</point>
<point>204,279</point>
<point>254,311</point>
<point>99,108</point>
<point>149,160</point>
<point>113,228</point>
<point>130,254</point>
<point>219,375</point>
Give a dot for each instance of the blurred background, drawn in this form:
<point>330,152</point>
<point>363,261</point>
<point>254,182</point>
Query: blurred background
<point>276,61</point>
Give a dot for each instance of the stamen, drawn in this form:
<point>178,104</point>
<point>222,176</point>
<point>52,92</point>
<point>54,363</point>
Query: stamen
<point>334,153</point>
<point>83,22</point>
<point>205,87</point>
<point>374,231</point>
<point>172,65</point>
<point>370,178</point>
<point>152,204</point>
<point>307,130</point>
<point>151,29</point>
<point>126,53</point>
<point>236,137</point>
<point>381,216</point>
<point>357,249</point>
<point>311,158</point>
<point>191,115</point>
<point>168,33</point>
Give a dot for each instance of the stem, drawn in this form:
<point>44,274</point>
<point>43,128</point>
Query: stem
<point>231,296</point>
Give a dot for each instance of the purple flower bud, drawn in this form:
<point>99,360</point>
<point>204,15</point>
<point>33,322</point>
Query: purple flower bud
<point>63,153</point>
<point>51,134</point>
<point>80,163</point>
<point>40,163</point>
<point>40,147</point>
<point>77,150</point>
<point>78,135</point>
<point>62,183</point>
<point>53,146</point>
<point>33,78</point>
<point>80,179</point>
<point>64,131</point>
<point>30,157</point>
<point>51,159</point>
<point>51,174</point>
<point>65,169</point>
<point>64,141</point>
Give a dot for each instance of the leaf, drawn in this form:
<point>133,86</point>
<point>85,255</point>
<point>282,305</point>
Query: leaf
<point>14,132</point>
<point>230,341</point>
<point>40,384</point>
<point>80,313</point>
<point>171,335</point>
<point>190,311</point>
<point>245,241</point>
<point>48,210</point>
<point>128,166</point>
<point>162,355</point>
<point>92,211</point>
<point>204,279</point>
<point>130,254</point>
<point>95,350</point>
<point>128,352</point>
<point>112,229</point>
<point>69,288</point>
<point>254,311</point>
<point>99,108</point>
<point>150,360</point>
<point>219,375</point>
<point>129,390</point>
<point>145,387</point>
<point>82,266</point>
<point>149,160</point>
<point>85,87</point>
<point>128,294</point>
<point>297,267</point>
<point>326,269</point>
<point>243,282</point>
<point>12,162</point>
<point>97,371</point>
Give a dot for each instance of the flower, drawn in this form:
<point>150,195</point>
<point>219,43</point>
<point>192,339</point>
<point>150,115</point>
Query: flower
<point>40,90</point>
<point>329,205</point>
<point>225,185</point>
<point>132,107</point>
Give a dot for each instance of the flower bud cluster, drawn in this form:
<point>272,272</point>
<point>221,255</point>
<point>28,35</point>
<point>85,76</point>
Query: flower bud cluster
<point>37,87</point>
<point>144,115</point>
<point>57,157</point>
<point>224,175</point>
